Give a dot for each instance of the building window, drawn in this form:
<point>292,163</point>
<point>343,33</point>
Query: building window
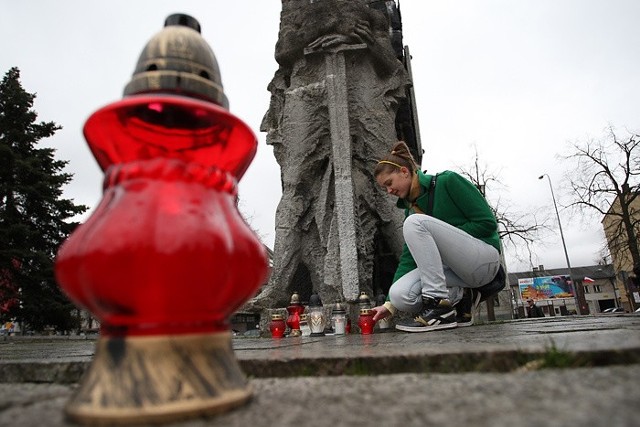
<point>596,288</point>
<point>586,289</point>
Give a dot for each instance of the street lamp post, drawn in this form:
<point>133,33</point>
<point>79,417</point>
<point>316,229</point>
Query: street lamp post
<point>564,245</point>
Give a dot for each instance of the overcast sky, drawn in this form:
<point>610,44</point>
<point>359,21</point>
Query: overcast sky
<point>516,80</point>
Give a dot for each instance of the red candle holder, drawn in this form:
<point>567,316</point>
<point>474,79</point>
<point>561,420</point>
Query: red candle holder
<point>295,309</point>
<point>277,326</point>
<point>165,258</point>
<point>366,322</point>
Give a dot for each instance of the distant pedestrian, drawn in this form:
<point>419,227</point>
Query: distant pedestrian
<point>533,310</point>
<point>451,257</point>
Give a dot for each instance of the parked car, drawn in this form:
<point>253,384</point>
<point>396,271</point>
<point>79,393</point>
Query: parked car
<point>614,310</point>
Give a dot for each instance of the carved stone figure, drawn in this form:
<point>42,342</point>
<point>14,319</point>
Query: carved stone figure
<point>332,115</point>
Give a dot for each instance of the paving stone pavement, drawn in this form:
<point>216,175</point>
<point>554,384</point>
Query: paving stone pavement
<point>485,375</point>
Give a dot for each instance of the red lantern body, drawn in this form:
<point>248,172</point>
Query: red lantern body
<point>166,250</point>
<point>293,320</point>
<point>277,326</point>
<point>365,321</point>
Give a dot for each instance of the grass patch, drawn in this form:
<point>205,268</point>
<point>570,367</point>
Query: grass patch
<point>358,368</point>
<point>555,358</point>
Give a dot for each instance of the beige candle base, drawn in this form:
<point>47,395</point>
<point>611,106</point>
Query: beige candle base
<point>159,379</point>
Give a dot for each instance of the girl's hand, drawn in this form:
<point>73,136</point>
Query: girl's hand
<point>380,312</point>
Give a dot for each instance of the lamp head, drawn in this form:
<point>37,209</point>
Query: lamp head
<point>178,60</point>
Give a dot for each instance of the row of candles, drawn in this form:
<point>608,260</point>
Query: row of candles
<point>313,322</point>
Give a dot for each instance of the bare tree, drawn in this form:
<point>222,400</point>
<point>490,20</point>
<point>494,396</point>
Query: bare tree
<point>517,230</point>
<point>605,179</point>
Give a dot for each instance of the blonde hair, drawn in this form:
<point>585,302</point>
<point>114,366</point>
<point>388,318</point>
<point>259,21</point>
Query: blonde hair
<point>399,157</point>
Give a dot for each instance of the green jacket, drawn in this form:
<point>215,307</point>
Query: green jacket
<point>457,202</point>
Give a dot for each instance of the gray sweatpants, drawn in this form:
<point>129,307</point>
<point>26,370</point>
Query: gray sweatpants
<point>448,259</point>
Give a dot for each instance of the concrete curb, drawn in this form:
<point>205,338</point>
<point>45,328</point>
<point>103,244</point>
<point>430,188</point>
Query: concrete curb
<point>71,371</point>
<point>587,341</point>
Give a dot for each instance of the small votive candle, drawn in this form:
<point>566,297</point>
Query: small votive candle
<point>277,326</point>
<point>339,319</point>
<point>304,325</point>
<point>384,324</point>
<point>366,322</point>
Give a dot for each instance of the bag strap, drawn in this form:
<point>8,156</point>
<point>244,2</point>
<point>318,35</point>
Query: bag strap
<point>432,192</point>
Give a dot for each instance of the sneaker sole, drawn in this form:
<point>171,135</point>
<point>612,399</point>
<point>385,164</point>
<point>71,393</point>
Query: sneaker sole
<point>407,328</point>
<point>465,324</point>
<point>466,321</point>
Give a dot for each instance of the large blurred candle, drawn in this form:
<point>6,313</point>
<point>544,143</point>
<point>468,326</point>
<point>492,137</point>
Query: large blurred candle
<point>165,258</point>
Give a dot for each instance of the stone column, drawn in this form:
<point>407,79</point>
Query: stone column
<point>338,105</point>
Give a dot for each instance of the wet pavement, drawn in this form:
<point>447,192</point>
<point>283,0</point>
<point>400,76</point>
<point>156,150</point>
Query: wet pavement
<point>576,370</point>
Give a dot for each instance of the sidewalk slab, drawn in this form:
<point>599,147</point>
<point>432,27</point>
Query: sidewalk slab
<point>586,397</point>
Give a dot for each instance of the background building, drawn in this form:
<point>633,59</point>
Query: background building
<point>592,288</point>
<point>620,253</point>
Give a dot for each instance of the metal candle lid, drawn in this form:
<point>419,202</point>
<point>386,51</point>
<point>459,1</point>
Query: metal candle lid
<point>363,299</point>
<point>277,317</point>
<point>339,309</point>
<point>295,299</point>
<point>315,301</point>
<point>178,60</point>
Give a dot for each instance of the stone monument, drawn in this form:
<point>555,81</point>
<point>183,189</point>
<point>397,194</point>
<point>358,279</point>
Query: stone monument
<point>334,111</point>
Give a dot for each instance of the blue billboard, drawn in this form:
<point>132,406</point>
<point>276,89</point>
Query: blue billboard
<point>546,287</point>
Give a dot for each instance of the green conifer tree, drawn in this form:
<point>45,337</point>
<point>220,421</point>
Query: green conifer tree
<point>34,218</point>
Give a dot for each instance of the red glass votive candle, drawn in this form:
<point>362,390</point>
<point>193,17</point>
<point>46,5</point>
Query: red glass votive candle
<point>366,322</point>
<point>277,326</point>
<point>293,320</point>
